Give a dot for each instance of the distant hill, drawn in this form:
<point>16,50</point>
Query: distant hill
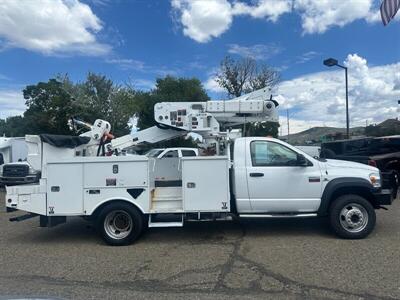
<point>388,127</point>
<point>316,135</point>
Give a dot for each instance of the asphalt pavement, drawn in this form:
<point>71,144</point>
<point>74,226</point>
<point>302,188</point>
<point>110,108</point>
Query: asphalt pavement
<point>260,259</point>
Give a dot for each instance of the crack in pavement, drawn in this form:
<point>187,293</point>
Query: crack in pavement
<point>218,279</point>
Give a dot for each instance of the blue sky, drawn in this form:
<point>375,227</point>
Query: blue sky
<point>138,41</point>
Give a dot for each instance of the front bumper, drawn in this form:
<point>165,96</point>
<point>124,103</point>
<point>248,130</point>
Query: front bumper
<point>19,180</point>
<point>384,197</point>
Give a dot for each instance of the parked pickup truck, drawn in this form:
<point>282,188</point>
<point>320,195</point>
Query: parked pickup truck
<point>18,173</point>
<point>380,152</point>
<point>260,178</point>
<point>172,152</point>
<point>13,166</point>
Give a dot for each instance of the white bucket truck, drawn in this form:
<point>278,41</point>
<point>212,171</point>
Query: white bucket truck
<point>247,177</point>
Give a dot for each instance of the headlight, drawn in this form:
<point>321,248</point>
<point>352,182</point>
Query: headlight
<point>375,179</point>
<point>32,171</point>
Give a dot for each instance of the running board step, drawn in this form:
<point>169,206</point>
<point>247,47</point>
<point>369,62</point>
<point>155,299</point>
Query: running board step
<point>23,217</point>
<point>277,215</point>
<point>165,223</point>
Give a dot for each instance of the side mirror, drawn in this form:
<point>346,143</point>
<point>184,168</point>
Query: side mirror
<point>301,160</point>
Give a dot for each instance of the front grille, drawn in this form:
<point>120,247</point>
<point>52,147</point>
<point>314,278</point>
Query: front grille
<point>15,170</point>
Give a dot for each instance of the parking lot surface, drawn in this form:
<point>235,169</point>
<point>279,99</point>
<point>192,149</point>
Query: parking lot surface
<point>264,259</point>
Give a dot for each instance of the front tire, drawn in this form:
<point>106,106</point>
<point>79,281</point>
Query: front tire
<point>119,224</point>
<point>352,217</point>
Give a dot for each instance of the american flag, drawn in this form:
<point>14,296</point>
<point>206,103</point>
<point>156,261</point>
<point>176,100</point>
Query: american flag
<point>389,9</point>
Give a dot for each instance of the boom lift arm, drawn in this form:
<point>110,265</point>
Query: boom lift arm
<point>175,119</point>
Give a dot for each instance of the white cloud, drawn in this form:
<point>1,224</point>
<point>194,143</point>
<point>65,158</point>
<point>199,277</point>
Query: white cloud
<point>212,85</point>
<point>4,77</point>
<point>51,27</point>
<point>319,98</point>
<point>127,63</point>
<point>305,57</point>
<point>203,20</point>
<point>317,16</point>
<point>258,51</point>
<point>144,84</point>
<point>12,103</point>
<point>269,9</point>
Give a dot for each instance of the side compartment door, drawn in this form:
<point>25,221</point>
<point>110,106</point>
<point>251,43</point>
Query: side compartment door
<point>277,183</point>
<point>65,189</point>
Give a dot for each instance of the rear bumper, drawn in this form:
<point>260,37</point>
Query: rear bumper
<point>27,197</point>
<point>384,197</point>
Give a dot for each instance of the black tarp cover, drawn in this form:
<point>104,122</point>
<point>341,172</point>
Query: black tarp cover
<point>64,141</point>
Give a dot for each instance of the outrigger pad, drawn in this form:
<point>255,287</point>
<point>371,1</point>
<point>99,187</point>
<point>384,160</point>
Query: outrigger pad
<point>64,141</point>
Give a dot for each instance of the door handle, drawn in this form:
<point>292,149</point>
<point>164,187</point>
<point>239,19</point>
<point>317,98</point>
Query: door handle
<point>256,174</point>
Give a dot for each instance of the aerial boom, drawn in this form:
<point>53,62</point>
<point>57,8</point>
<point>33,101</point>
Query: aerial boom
<point>176,119</point>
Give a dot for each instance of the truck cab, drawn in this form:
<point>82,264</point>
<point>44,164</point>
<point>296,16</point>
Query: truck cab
<point>274,177</point>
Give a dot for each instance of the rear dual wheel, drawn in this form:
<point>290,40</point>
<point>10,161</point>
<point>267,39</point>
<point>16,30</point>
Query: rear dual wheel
<point>352,217</point>
<point>120,224</point>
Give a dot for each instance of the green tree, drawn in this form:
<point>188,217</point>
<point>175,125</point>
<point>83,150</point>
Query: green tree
<point>96,92</point>
<point>12,126</point>
<point>121,110</point>
<point>49,106</point>
<point>144,109</point>
<point>263,129</point>
<point>174,89</point>
<point>168,89</point>
<point>100,98</point>
<point>2,127</point>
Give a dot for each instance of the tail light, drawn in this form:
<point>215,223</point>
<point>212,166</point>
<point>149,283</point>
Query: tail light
<point>372,162</point>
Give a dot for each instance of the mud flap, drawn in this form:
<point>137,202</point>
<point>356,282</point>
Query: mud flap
<point>52,221</point>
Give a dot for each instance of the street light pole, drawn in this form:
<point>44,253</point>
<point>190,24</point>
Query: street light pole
<point>347,105</point>
<point>330,62</point>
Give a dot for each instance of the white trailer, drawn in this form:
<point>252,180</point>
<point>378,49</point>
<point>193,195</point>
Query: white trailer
<point>249,177</point>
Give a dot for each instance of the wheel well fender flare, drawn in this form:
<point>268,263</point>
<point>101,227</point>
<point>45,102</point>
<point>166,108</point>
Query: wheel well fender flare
<point>341,186</point>
<point>106,202</point>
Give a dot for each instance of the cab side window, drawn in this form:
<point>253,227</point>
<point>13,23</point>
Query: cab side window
<point>265,153</point>
<point>1,159</point>
<point>186,153</point>
<point>171,153</point>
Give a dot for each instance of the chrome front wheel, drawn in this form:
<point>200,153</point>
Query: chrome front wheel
<point>353,217</point>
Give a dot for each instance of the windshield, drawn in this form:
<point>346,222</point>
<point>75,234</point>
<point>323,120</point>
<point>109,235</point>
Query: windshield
<point>154,152</point>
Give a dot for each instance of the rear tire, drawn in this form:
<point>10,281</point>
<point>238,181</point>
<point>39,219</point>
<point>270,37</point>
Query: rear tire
<point>119,224</point>
<point>352,217</point>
